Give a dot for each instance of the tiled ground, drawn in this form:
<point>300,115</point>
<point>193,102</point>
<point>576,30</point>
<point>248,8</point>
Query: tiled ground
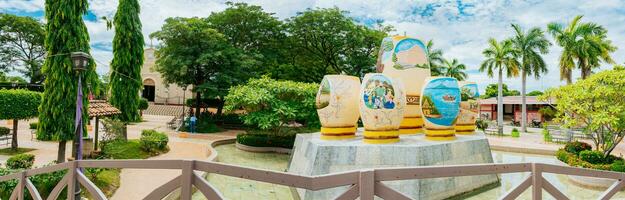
<point>236,188</point>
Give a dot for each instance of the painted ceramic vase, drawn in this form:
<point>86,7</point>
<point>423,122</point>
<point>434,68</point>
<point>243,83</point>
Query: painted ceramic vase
<point>440,104</point>
<point>405,59</point>
<point>338,112</point>
<point>382,104</point>
<point>468,108</point>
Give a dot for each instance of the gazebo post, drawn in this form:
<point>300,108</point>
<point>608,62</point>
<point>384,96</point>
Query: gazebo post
<point>97,123</point>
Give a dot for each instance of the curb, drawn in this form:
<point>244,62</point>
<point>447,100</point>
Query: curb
<point>262,149</point>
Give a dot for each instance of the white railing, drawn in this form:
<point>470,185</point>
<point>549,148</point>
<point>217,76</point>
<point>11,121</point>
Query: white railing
<point>364,184</point>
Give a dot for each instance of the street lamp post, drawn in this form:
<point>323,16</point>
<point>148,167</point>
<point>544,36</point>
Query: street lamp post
<point>80,60</point>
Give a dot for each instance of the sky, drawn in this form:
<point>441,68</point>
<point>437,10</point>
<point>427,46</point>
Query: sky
<point>460,28</point>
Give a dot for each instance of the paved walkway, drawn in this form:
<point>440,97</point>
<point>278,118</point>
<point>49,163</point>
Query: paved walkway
<point>45,151</point>
<point>138,183</point>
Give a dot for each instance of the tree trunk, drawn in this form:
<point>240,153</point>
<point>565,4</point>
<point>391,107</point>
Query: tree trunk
<point>198,100</point>
<point>14,139</point>
<point>524,103</point>
<point>220,107</point>
<point>500,103</point>
<point>60,156</point>
<point>125,132</point>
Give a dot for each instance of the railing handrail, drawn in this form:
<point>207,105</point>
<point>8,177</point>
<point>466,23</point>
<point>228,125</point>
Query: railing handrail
<point>363,183</point>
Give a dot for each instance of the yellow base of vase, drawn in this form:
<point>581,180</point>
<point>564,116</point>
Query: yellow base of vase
<point>411,125</point>
<point>465,129</point>
<point>339,133</point>
<point>381,137</point>
<point>337,137</point>
<point>438,134</point>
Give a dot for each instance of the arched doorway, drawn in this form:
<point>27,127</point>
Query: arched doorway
<point>149,89</point>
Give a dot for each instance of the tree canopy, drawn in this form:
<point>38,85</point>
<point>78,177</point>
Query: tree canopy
<point>596,104</point>
<point>535,93</point>
<point>491,91</point>
<point>19,104</point>
<point>125,79</point>
<point>192,53</point>
<point>22,46</point>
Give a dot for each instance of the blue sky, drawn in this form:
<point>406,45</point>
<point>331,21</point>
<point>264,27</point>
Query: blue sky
<point>461,28</point>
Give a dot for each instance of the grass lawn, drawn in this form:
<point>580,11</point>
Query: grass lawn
<point>11,152</point>
<point>107,180</point>
<point>126,150</point>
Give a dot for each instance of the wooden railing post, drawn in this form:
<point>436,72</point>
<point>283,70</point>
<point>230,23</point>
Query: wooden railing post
<point>537,186</point>
<point>367,184</point>
<point>186,182</point>
<point>21,185</point>
<point>71,183</point>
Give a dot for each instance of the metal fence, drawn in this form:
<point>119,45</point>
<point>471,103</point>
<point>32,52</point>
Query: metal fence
<point>364,184</point>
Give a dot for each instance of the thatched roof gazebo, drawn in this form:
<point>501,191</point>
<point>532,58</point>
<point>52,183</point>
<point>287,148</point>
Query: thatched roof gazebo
<point>97,109</point>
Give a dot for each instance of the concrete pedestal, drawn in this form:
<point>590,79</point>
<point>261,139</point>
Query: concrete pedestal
<point>313,156</point>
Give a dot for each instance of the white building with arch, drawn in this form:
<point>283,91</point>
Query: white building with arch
<point>154,88</point>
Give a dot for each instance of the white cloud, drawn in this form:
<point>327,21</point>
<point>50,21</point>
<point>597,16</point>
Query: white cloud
<point>460,29</point>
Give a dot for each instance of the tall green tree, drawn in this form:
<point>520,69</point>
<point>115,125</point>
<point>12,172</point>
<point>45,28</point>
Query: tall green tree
<point>454,69</point>
<point>584,44</point>
<point>327,41</point>
<point>435,58</point>
<point>192,53</point>
<point>530,45</point>
<point>21,46</point>
<point>65,33</point>
<point>500,57</point>
<point>18,105</point>
<point>125,79</point>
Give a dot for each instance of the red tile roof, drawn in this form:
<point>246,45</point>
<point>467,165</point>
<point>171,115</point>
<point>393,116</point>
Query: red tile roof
<point>99,108</point>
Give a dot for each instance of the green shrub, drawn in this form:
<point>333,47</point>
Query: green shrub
<point>515,133</point>
<point>33,125</point>
<point>593,157</point>
<point>153,141</point>
<point>618,166</point>
<point>547,136</point>
<point>120,149</point>
<point>481,124</point>
<point>21,161</point>
<point>271,104</point>
<point>43,182</point>
<point>265,140</point>
<point>114,131</point>
<point>576,147</point>
<point>143,104</point>
<point>4,130</point>
<point>563,155</point>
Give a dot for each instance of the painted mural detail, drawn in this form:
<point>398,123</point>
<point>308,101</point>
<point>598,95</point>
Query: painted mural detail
<point>337,111</point>
<point>379,93</point>
<point>440,101</point>
<point>468,108</point>
<point>405,59</point>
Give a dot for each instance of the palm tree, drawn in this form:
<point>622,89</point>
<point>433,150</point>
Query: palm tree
<point>529,46</point>
<point>454,69</point>
<point>435,58</point>
<point>584,43</point>
<point>500,57</point>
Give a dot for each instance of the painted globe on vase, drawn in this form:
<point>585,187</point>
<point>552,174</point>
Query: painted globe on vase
<point>336,107</point>
<point>405,58</point>
<point>382,104</point>
<point>440,104</point>
<point>468,108</point>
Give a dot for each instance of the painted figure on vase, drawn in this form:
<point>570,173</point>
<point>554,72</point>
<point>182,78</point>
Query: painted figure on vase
<point>440,107</point>
<point>468,108</point>
<point>382,103</point>
<point>336,107</point>
<point>405,58</point>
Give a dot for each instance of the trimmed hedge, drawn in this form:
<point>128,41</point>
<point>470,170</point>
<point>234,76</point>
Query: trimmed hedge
<point>515,133</point>
<point>593,157</point>
<point>19,104</point>
<point>143,104</point>
<point>153,141</point>
<point>587,158</point>
<point>21,161</point>
<point>266,140</point>
<point>4,131</point>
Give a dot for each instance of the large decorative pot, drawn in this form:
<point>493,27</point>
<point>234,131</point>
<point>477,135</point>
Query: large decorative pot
<point>405,59</point>
<point>440,104</point>
<point>468,108</point>
<point>336,106</point>
<point>382,104</point>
